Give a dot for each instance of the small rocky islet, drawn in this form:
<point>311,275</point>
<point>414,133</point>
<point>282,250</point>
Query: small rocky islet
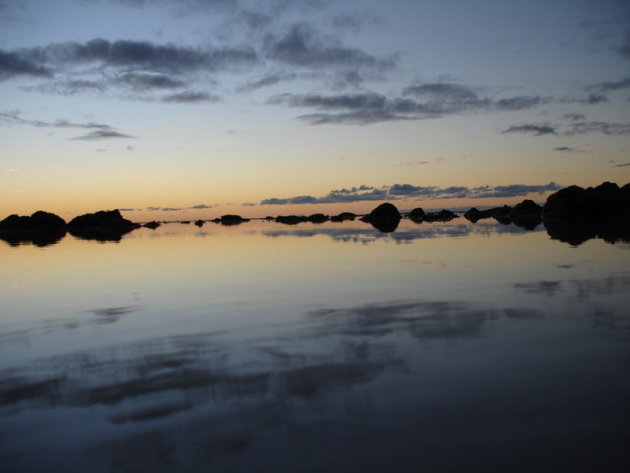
<point>572,215</point>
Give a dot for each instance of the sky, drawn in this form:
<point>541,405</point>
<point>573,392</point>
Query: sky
<point>182,109</point>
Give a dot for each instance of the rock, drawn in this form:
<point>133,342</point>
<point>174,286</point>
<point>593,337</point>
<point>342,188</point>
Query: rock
<point>417,215</point>
<point>199,223</point>
<point>290,219</point>
<point>575,214</point>
<point>232,219</point>
<point>104,225</point>
<point>385,217</point>
<point>441,216</point>
<point>41,228</point>
<point>499,213</point>
<point>343,216</point>
<point>526,214</point>
<point>317,218</point>
<point>152,225</point>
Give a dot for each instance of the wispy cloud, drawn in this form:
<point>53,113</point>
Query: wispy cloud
<point>571,129</point>
<point>201,206</point>
<point>101,135</point>
<point>536,129</point>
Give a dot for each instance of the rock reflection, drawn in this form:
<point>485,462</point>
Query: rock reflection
<point>402,235</point>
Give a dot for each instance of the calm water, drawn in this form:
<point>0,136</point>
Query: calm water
<point>318,348</point>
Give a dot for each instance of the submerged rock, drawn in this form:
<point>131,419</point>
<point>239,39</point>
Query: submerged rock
<point>104,225</point>
<point>41,228</point>
<point>385,217</point>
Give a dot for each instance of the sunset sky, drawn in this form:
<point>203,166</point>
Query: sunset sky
<point>173,109</point>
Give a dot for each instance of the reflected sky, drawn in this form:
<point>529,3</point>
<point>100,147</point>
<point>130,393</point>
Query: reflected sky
<point>240,348</point>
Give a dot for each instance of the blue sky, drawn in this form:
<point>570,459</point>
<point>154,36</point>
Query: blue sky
<point>196,107</point>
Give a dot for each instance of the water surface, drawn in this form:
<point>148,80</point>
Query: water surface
<point>333,347</point>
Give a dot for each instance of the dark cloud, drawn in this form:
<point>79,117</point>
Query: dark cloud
<point>574,116</point>
<point>190,97</point>
<point>594,98</point>
<point>164,209</point>
<point>101,135</point>
<point>140,54</point>
<point>519,103</point>
<point>624,49</point>
<point>605,128</point>
<point>15,64</point>
<point>301,46</point>
<point>621,165</point>
<point>609,86</point>
<point>566,149</point>
<point>417,102</point>
<point>408,191</point>
<point>201,206</point>
<point>267,81</point>
<point>537,130</point>
<point>144,81</point>
<point>14,118</point>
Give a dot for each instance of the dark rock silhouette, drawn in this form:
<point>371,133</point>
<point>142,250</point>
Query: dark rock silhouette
<point>417,215</point>
<point>318,218</point>
<point>526,214</point>
<point>290,219</point>
<point>104,225</point>
<point>231,220</point>
<point>41,228</point>
<point>152,225</point>
<point>343,216</point>
<point>441,216</point>
<point>199,223</point>
<point>384,218</point>
<point>575,214</point>
<point>499,213</point>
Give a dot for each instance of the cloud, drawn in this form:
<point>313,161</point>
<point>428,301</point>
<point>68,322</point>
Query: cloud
<point>99,130</point>
<point>519,103</point>
<point>164,209</point>
<point>101,135</point>
<point>266,81</point>
<point>605,128</point>
<point>411,164</point>
<point>420,101</point>
<point>200,206</point>
<point>621,165</point>
<point>574,116</point>
<point>190,97</point>
<point>14,117</point>
<point>150,57</point>
<point>624,49</point>
<point>143,81</point>
<point>567,149</point>
<point>408,191</point>
<point>13,64</point>
<point>537,130</point>
<point>300,46</point>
